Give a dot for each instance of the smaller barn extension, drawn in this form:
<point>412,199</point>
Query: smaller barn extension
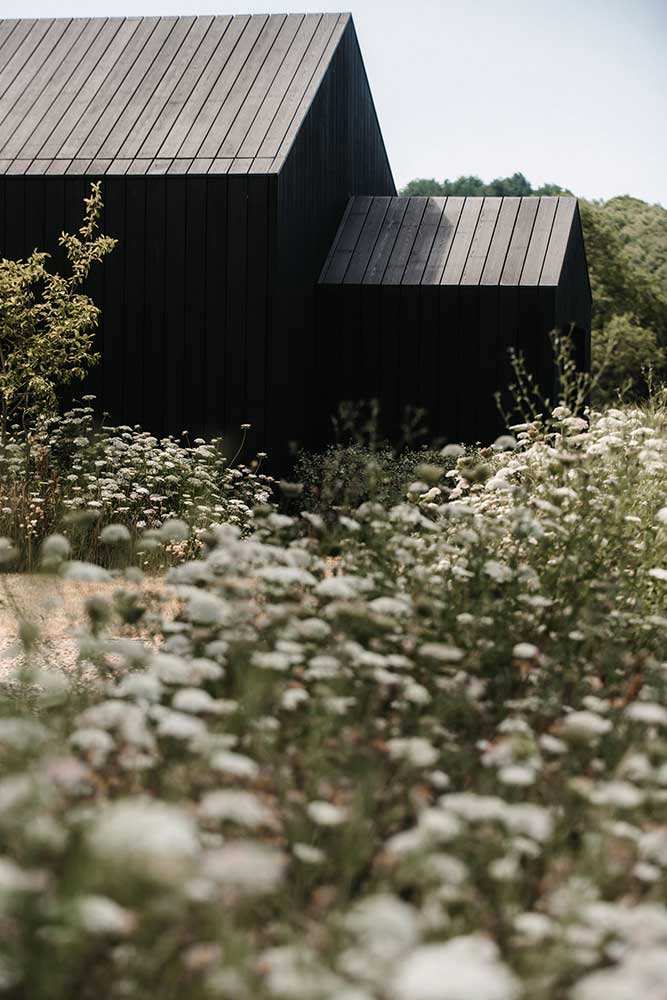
<point>420,300</point>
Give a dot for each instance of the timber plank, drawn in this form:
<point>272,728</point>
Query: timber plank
<point>443,240</point>
<point>264,82</point>
<point>155,276</point>
<point>194,356</point>
<point>481,242</point>
<point>294,99</point>
<point>276,94</point>
<point>384,244</point>
<point>118,111</point>
<point>37,96</point>
<point>405,239</point>
<point>539,241</point>
<point>465,231</point>
<point>556,250</point>
<point>135,245</point>
<point>239,45</point>
<point>502,235</point>
<point>160,57</point>
<point>516,253</point>
<point>173,72</point>
<point>368,236</point>
<point>421,249</point>
<point>187,98</point>
<point>105,82</point>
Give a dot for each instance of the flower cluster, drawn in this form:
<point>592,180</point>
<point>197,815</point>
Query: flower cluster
<point>70,475</point>
<point>432,766</point>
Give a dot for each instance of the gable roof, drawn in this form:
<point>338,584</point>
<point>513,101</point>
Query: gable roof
<point>222,94</point>
<point>451,241</point>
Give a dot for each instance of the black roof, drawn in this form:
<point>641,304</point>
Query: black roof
<point>159,94</point>
<point>452,241</point>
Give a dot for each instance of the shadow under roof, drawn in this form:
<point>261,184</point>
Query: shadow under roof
<point>223,94</point>
<point>451,241</point>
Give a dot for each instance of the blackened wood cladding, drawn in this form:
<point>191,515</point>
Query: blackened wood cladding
<point>242,160</point>
<point>228,148</point>
<point>478,276</point>
<point>184,296</point>
<point>337,149</point>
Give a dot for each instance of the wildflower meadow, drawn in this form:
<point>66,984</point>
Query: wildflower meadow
<point>394,751</point>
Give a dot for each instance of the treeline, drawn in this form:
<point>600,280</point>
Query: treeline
<point>626,246</point>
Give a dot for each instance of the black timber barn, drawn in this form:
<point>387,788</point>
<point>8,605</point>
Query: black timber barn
<point>266,269</point>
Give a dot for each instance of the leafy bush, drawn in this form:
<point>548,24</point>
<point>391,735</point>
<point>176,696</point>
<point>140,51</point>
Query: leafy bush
<point>47,323</point>
<point>364,465</point>
<point>434,767</point>
<point>346,476</point>
<point>624,355</point>
<point>69,475</point>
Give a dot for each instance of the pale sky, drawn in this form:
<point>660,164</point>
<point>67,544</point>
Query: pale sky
<point>570,91</point>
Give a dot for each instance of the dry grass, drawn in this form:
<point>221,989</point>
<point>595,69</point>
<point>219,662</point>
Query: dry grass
<point>57,608</point>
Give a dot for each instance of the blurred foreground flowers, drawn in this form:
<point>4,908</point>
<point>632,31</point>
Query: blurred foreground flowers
<point>433,767</point>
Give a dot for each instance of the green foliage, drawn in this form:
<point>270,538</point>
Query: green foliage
<point>516,185</point>
<point>626,357</point>
<point>47,323</point>
<point>363,465</point>
<point>69,475</point>
<point>344,476</point>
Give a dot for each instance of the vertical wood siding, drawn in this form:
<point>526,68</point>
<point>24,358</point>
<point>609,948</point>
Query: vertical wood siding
<point>338,150</point>
<point>184,296</point>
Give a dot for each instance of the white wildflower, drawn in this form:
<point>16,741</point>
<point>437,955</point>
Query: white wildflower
<point>525,651</point>
<point>101,915</point>
<point>585,725</point>
<point>621,794</point>
<point>150,838</point>
<point>236,765</point>
<point>647,712</point>
<point>249,867</point>
<point>236,806</point>
<point>174,530</point>
<point>415,750</point>
<point>113,534</point>
<point>308,854</point>
<point>498,571</point>
<point>293,697</point>
<point>326,813</point>
<point>464,968</point>
<point>642,972</point>
<point>195,701</point>
<point>55,547</point>
<point>206,609</point>
<point>84,572</point>
<point>442,652</point>
<point>181,726</point>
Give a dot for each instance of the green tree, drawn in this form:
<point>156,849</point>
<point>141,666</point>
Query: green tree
<point>623,355</point>
<point>470,184</point>
<point>47,323</point>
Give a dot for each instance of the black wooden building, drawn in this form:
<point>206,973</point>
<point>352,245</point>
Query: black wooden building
<point>422,301</point>
<point>229,149</point>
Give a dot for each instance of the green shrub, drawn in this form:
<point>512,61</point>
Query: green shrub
<point>347,475</point>
<point>47,323</point>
